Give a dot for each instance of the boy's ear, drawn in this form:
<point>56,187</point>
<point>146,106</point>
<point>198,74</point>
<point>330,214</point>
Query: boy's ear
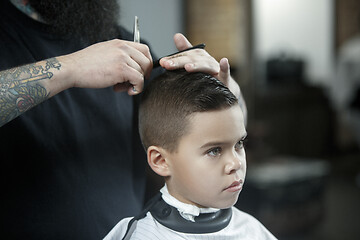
<point>157,160</point>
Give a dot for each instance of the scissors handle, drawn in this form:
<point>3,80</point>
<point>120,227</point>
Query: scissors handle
<point>157,62</point>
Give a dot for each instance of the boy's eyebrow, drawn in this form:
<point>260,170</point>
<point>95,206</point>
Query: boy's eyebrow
<point>209,144</point>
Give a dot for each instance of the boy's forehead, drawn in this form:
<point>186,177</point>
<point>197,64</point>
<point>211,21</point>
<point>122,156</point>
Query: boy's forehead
<point>228,122</point>
<point>234,111</point>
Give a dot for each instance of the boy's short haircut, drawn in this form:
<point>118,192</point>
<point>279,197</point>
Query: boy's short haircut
<point>169,100</point>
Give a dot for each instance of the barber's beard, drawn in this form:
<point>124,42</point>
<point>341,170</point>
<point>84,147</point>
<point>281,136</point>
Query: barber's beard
<point>90,20</point>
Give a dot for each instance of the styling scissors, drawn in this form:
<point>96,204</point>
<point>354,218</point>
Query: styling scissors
<point>136,30</point>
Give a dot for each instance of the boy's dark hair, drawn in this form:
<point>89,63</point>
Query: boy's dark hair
<point>171,98</point>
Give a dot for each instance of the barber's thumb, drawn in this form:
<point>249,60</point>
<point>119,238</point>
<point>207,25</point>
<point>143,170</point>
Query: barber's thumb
<point>181,42</point>
<point>224,68</point>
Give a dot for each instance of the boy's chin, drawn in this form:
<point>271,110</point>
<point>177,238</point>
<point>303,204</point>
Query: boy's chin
<point>224,204</point>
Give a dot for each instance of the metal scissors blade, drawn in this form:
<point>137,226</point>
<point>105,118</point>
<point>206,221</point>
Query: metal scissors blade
<point>136,30</point>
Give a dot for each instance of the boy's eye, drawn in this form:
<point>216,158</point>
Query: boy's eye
<point>214,152</point>
<point>239,145</point>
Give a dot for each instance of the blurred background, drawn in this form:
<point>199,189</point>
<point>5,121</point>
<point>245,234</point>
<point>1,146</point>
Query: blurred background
<point>298,65</point>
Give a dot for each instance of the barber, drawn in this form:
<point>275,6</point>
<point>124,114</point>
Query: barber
<point>72,162</point>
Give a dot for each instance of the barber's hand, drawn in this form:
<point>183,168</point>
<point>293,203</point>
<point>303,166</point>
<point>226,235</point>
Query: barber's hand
<point>199,60</point>
<point>117,63</point>
<point>196,60</point>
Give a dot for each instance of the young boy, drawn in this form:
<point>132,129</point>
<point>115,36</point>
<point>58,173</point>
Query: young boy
<point>192,128</point>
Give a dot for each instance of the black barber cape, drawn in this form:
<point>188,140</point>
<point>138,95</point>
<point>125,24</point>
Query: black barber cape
<point>67,165</point>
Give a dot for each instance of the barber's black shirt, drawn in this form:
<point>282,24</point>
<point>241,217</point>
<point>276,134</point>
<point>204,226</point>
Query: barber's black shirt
<point>68,168</point>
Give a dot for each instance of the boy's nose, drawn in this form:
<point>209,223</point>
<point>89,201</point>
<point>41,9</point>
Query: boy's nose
<point>233,164</point>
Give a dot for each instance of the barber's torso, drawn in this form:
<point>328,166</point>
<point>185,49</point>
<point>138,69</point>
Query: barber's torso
<point>67,164</point>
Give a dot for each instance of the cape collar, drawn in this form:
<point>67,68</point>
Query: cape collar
<point>170,217</point>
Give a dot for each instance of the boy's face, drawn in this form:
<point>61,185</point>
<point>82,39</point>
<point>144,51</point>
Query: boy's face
<point>208,168</point>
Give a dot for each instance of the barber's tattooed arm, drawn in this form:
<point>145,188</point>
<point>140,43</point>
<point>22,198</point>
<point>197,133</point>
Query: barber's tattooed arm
<point>22,88</point>
<point>101,65</point>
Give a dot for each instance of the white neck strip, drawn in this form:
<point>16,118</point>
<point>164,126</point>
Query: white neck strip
<point>187,211</point>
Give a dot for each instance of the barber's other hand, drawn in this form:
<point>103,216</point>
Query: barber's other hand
<point>199,60</point>
<point>196,60</point>
<point>117,63</point>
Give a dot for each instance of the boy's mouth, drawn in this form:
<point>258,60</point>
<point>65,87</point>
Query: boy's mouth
<point>235,186</point>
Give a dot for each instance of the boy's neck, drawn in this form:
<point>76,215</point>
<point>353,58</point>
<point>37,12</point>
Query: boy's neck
<point>187,211</point>
<point>25,7</point>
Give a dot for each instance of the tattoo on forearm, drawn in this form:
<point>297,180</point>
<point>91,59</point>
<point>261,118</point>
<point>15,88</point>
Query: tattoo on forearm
<point>21,88</point>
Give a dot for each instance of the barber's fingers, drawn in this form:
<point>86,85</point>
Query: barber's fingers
<point>196,60</point>
<point>128,87</point>
<point>142,58</point>
<point>181,42</point>
<point>133,82</point>
<point>137,85</point>
<point>138,66</point>
<point>143,48</point>
<point>224,73</point>
<point>137,63</point>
